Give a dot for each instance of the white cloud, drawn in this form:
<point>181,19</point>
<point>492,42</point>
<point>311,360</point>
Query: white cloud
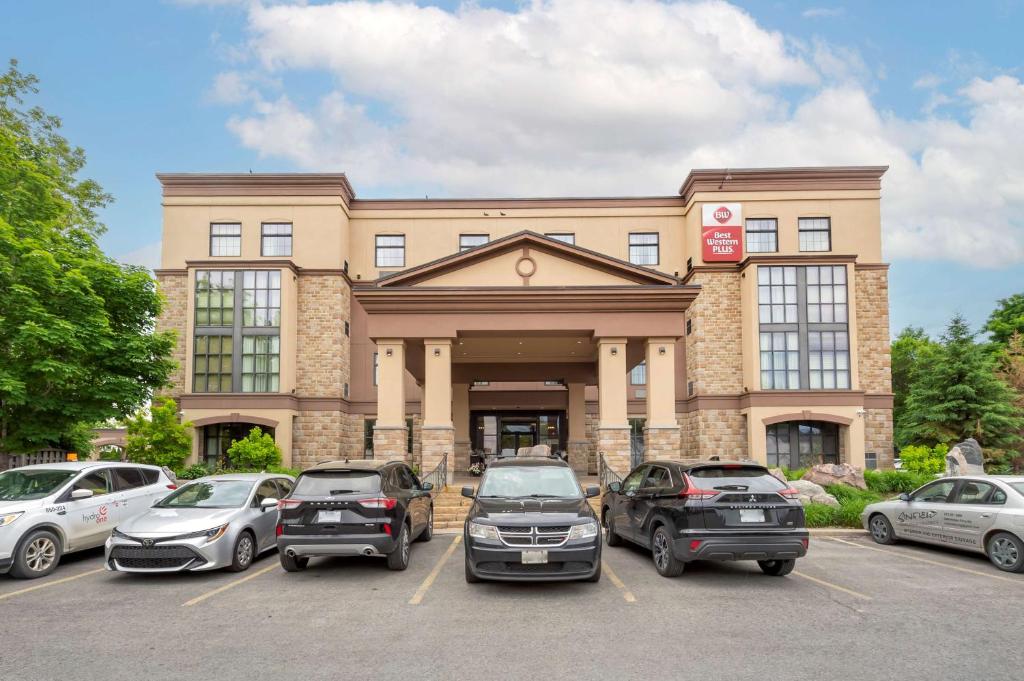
<point>823,12</point>
<point>928,81</point>
<point>618,97</point>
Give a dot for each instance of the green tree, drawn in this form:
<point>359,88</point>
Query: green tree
<point>956,394</point>
<point>908,350</point>
<point>77,344</point>
<point>256,451</point>
<point>1007,319</point>
<point>161,439</point>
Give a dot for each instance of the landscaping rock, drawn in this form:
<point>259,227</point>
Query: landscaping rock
<point>812,493</point>
<point>965,459</point>
<point>777,472</point>
<point>836,474</point>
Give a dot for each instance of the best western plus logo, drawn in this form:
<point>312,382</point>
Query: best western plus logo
<point>722,215</point>
<point>721,232</point>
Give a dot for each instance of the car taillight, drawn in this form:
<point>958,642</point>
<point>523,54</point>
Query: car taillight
<point>278,530</point>
<point>806,542</point>
<point>691,491</point>
<point>789,493</point>
<point>387,528</point>
<point>386,503</point>
<point>287,503</point>
<point>695,544</point>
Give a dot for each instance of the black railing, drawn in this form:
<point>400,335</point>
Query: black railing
<point>606,474</point>
<point>439,476</point>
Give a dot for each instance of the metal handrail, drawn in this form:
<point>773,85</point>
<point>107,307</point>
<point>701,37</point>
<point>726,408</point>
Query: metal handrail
<point>439,476</point>
<point>605,474</point>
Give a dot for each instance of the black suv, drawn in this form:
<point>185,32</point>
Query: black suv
<point>531,521</point>
<point>707,511</point>
<point>358,508</point>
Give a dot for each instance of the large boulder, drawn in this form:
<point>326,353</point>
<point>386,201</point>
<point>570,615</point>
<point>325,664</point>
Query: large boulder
<point>812,493</point>
<point>777,472</point>
<point>965,458</point>
<point>826,474</point>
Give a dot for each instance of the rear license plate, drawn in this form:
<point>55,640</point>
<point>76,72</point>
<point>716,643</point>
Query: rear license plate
<point>750,515</point>
<point>328,516</point>
<point>535,557</point>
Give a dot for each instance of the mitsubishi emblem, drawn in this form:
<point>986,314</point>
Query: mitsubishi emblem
<point>753,498</point>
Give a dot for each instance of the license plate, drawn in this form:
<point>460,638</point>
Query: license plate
<point>751,515</point>
<point>328,516</point>
<point>535,557</point>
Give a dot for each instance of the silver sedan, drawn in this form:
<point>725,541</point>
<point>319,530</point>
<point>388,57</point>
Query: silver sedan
<point>221,521</point>
<point>982,514</point>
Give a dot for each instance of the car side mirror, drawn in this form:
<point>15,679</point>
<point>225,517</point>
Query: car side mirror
<point>592,491</point>
<point>427,486</point>
<point>468,491</point>
<point>81,494</point>
<point>269,502</point>
<point>904,497</point>
<point>615,487</point>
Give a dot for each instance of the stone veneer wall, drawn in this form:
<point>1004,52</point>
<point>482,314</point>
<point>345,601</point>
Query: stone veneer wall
<point>719,432</point>
<point>875,359</point>
<point>614,443</point>
<point>714,358</point>
<point>174,289</point>
<point>878,435</point>
<point>323,352</point>
<point>316,437</point>
<point>591,435</point>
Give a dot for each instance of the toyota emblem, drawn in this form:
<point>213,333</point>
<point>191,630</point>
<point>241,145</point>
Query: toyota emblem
<point>147,542</point>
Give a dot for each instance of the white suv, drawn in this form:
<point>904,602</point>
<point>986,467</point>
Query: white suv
<point>48,510</point>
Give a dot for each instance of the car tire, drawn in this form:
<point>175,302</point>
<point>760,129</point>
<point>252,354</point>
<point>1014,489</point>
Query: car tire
<point>881,529</point>
<point>243,553</point>
<point>665,562</point>
<point>428,532</point>
<point>777,568</point>
<point>610,537</point>
<point>470,577</point>
<point>37,555</point>
<point>1006,552</point>
<point>398,559</point>
<point>296,564</point>
<point>596,577</point>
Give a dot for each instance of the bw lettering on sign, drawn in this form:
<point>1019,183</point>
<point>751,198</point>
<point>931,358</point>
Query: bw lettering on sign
<point>722,232</point>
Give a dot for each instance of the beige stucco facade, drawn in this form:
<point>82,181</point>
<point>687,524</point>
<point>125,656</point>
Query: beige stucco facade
<point>420,352</point>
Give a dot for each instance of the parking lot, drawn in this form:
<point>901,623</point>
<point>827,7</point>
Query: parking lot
<point>851,609</point>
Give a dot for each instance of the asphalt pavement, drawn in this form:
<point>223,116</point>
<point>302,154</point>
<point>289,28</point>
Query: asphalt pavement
<point>851,610</point>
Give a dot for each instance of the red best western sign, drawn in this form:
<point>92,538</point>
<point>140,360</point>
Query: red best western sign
<point>721,232</point>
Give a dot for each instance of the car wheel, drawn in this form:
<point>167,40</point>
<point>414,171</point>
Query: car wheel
<point>243,553</point>
<point>37,556</point>
<point>610,537</point>
<point>596,577</point>
<point>881,529</point>
<point>665,561</point>
<point>1006,552</point>
<point>428,532</point>
<point>777,568</point>
<point>470,577</point>
<point>399,558</point>
<point>296,564</point>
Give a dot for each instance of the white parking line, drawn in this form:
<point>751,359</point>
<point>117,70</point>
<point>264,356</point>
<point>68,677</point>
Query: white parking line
<point>229,585</point>
<point>830,585</point>
<point>626,593</point>
<point>53,583</point>
<point>901,554</point>
<point>417,598</point>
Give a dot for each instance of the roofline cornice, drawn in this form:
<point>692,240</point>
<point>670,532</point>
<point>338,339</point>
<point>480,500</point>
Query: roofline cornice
<point>830,178</point>
<point>257,184</point>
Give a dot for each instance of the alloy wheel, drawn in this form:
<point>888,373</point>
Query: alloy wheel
<point>660,550</point>
<point>1004,553</point>
<point>405,545</point>
<point>40,554</point>
<point>879,530</point>
<point>244,551</point>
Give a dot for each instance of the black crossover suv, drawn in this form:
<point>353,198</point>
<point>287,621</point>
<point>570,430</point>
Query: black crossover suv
<point>358,508</point>
<point>531,521</point>
<point>707,511</point>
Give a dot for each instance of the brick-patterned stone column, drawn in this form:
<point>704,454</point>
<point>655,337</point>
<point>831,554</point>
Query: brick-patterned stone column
<point>613,443</point>
<point>435,443</point>
<point>460,419</point>
<point>579,456</point>
<point>391,443</point>
<point>613,428</point>
<point>578,447</point>
<point>874,361</point>
<point>173,288</point>
<point>662,443</point>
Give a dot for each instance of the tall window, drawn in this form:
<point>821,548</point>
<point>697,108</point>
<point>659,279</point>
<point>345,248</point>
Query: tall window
<point>468,241</point>
<point>564,237</point>
<point>815,234</point>
<point>390,250</point>
<point>638,376</point>
<point>276,239</point>
<point>804,338</point>
<point>225,239</point>
<point>762,235</point>
<point>643,248</point>
<point>376,369</point>
<point>237,334</point>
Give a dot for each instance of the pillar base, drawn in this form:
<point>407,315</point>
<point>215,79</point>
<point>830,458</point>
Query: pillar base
<point>391,443</point>
<point>614,444</point>
<point>662,442</point>
<point>435,442</point>
<point>579,456</point>
<point>462,451</point>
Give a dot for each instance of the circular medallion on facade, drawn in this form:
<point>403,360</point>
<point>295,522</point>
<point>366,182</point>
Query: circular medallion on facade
<point>526,266</point>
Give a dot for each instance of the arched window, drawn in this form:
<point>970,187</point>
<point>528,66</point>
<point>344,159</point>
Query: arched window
<point>798,444</point>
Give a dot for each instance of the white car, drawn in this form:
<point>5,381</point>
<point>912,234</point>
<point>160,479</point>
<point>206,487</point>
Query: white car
<point>48,510</point>
<point>983,514</point>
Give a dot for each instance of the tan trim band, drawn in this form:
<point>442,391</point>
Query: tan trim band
<point>721,180</point>
<point>554,202</point>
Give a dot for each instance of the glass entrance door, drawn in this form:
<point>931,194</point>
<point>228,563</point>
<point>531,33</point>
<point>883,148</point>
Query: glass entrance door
<point>516,434</point>
<point>504,432</point>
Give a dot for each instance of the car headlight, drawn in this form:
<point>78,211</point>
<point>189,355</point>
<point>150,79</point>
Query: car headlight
<point>9,518</point>
<point>119,534</point>
<point>211,535</point>
<point>583,530</point>
<point>479,531</point>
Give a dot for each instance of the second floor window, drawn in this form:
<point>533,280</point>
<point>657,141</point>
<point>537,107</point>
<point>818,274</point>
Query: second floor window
<point>564,237</point>
<point>390,250</point>
<point>815,234</point>
<point>643,248</point>
<point>468,241</point>
<point>762,235</point>
<point>276,239</point>
<point>638,376</point>
<point>225,239</point>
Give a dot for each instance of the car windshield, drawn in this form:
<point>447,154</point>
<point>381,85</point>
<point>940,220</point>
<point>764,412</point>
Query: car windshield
<point>736,479</point>
<point>209,494</point>
<point>31,484</point>
<point>530,481</point>
<point>331,483</point>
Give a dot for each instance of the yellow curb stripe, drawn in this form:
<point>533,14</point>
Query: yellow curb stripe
<point>830,585</point>
<point>230,585</point>
<point>626,593</point>
<point>901,554</point>
<point>53,583</point>
<point>429,581</point>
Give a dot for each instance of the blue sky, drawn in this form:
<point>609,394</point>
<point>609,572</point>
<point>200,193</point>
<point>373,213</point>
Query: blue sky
<point>561,97</point>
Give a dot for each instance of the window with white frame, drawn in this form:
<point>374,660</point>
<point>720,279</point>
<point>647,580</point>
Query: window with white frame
<point>643,248</point>
<point>564,237</point>
<point>815,234</point>
<point>390,250</point>
<point>225,239</point>
<point>468,241</point>
<point>762,235</point>
<point>638,376</point>
<point>829,360</point>
<point>276,239</point>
